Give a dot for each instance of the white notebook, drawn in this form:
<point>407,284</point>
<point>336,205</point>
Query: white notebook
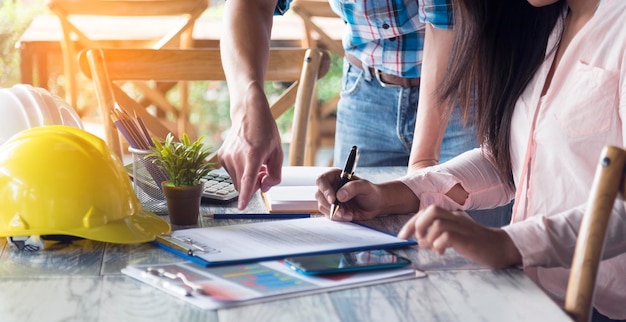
<point>296,192</point>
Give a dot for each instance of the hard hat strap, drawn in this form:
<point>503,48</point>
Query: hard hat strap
<point>26,243</point>
<point>35,243</point>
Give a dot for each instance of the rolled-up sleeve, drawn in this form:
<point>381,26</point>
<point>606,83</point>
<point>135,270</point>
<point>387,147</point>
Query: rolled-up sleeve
<point>473,171</point>
<point>438,13</point>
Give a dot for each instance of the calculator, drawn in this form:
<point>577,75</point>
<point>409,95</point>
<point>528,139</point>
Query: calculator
<point>219,187</point>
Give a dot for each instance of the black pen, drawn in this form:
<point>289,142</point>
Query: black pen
<point>346,175</point>
<point>259,216</point>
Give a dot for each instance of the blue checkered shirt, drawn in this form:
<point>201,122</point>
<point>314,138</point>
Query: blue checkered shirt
<point>388,35</point>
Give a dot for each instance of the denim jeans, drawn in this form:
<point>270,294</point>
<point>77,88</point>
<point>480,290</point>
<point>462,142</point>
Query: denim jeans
<point>381,122</point>
<point>599,317</point>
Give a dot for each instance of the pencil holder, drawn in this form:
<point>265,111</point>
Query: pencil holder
<point>147,178</point>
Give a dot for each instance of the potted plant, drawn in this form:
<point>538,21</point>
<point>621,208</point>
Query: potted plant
<point>185,163</point>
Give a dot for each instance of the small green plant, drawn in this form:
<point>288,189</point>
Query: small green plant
<point>185,162</point>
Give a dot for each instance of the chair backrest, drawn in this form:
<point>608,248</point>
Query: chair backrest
<point>66,10</point>
<point>323,29</point>
<point>301,66</point>
<point>608,183</point>
<point>312,13</point>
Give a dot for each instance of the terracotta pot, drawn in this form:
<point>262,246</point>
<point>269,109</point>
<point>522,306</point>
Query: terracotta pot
<point>183,203</point>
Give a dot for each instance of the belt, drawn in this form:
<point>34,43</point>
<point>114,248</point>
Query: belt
<point>385,80</point>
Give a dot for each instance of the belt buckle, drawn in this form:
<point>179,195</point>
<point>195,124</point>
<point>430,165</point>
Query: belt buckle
<point>381,82</point>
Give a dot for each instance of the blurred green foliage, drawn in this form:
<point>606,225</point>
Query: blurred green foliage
<point>15,16</point>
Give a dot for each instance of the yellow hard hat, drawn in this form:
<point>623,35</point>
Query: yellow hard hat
<point>61,180</point>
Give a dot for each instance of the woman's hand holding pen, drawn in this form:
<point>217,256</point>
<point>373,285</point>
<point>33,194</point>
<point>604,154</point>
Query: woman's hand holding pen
<point>361,199</point>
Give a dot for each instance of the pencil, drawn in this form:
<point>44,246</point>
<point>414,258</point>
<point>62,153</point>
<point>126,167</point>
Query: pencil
<point>259,216</point>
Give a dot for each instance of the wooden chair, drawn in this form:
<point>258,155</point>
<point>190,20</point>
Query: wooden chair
<point>608,182</point>
<point>312,12</point>
<point>300,66</point>
<point>69,11</point>
<point>322,29</point>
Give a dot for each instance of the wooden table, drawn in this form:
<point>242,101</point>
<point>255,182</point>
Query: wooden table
<point>82,282</point>
<point>40,47</point>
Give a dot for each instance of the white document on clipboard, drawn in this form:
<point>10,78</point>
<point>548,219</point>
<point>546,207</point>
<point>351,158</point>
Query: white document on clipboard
<point>251,242</point>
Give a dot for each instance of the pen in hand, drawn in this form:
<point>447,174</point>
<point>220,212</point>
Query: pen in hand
<point>346,175</point>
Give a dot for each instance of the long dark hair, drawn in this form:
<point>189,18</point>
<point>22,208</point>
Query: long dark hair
<point>498,46</point>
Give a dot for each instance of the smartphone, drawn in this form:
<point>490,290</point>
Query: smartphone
<point>346,262</point>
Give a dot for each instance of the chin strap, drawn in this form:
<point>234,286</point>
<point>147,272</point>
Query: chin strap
<point>35,243</point>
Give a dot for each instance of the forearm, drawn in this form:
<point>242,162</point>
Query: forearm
<point>245,48</point>
<point>398,198</point>
<point>468,181</point>
<point>432,114</point>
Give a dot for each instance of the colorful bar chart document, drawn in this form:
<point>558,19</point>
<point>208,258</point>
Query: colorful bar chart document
<point>270,240</point>
<point>225,286</point>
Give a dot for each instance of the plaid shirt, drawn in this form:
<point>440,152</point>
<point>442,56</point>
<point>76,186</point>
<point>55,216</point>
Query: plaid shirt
<point>388,35</point>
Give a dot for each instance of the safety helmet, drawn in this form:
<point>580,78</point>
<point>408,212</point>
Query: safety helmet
<point>61,180</point>
<point>24,106</point>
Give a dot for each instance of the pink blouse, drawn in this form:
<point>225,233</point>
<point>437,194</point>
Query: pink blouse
<point>556,140</point>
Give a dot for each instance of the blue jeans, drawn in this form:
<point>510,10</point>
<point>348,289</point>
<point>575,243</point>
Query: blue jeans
<point>381,122</point>
<point>599,317</point>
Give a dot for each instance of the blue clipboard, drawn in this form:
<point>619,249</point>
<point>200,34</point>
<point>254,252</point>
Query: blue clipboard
<point>197,253</point>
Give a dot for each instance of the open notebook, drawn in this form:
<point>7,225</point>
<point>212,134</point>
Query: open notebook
<point>296,192</point>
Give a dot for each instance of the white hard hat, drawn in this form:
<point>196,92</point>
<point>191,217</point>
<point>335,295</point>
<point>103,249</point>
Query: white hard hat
<point>24,106</point>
